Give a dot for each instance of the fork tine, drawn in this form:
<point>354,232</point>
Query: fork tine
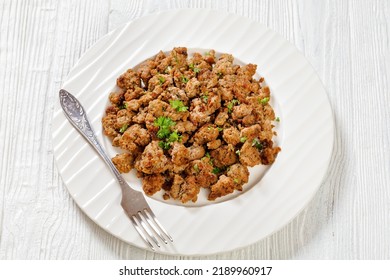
<point>140,232</point>
<point>151,214</point>
<point>146,228</point>
<point>152,225</point>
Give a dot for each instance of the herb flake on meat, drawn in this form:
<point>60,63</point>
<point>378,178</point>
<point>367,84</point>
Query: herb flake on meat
<point>165,124</point>
<point>123,128</point>
<point>264,101</point>
<point>256,143</point>
<point>178,105</point>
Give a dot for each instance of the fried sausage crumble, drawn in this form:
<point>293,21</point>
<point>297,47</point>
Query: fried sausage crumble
<point>186,123</point>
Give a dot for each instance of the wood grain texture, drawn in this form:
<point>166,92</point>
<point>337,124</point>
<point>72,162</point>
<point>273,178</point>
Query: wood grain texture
<point>348,44</point>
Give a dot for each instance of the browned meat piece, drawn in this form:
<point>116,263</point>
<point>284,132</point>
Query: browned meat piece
<point>178,183</point>
<point>137,135</point>
<point>192,88</point>
<point>206,133</point>
<point>134,138</point>
<point>226,93</point>
<point>112,110</point>
<point>162,62</point>
<point>179,58</point>
<point>203,172</point>
<point>123,119</point>
<point>240,175</point>
<point>134,93</point>
<point>268,153</point>
<point>231,135</point>
<point>249,155</point>
<point>210,57</point>
<point>116,97</point>
<point>196,152</point>
<point>173,93</point>
<point>140,117</point>
<point>145,70</point>
<point>266,91</point>
<point>109,123</point>
<point>158,107</point>
<point>162,80</point>
<point>152,183</point>
<point>184,138</point>
<point>224,65</point>
<point>248,71</point>
<point>224,156</point>
<point>221,118</point>
<point>249,120</point>
<point>152,160</point>
<point>241,111</point>
<point>200,113</point>
<point>184,190</point>
<point>123,162</point>
<point>180,154</point>
<point>209,78</point>
<point>147,97</point>
<point>251,132</point>
<point>129,80</point>
<point>132,105</point>
<point>215,144</point>
<point>224,186</point>
<point>115,140</point>
<point>183,127</point>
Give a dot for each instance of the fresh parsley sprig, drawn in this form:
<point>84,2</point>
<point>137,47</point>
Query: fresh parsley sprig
<point>165,124</point>
<point>178,105</point>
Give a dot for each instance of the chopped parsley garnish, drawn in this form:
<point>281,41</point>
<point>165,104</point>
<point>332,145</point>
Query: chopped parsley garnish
<point>243,139</point>
<point>238,152</point>
<point>208,155</point>
<point>123,128</point>
<point>236,180</point>
<point>196,167</point>
<point>264,101</point>
<point>277,119</point>
<point>161,80</point>
<point>219,75</point>
<point>184,79</point>
<point>164,123</point>
<point>164,145</point>
<point>231,104</point>
<point>178,105</point>
<point>194,68</point>
<point>174,137</point>
<point>123,106</point>
<point>256,143</point>
<point>207,53</point>
<point>164,133</point>
<point>220,129</point>
<point>168,69</point>
<point>217,170</point>
<point>205,97</point>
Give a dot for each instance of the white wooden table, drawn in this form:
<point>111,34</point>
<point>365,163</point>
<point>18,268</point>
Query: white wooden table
<point>347,42</point>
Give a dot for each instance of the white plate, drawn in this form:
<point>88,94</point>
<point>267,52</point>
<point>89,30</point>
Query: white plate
<point>269,202</point>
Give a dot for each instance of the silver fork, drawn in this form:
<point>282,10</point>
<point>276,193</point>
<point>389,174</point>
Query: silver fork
<point>133,202</point>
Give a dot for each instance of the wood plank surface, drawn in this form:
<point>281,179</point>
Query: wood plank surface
<point>348,44</point>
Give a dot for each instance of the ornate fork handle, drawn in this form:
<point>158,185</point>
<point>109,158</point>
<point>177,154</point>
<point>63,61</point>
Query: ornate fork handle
<point>75,113</point>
